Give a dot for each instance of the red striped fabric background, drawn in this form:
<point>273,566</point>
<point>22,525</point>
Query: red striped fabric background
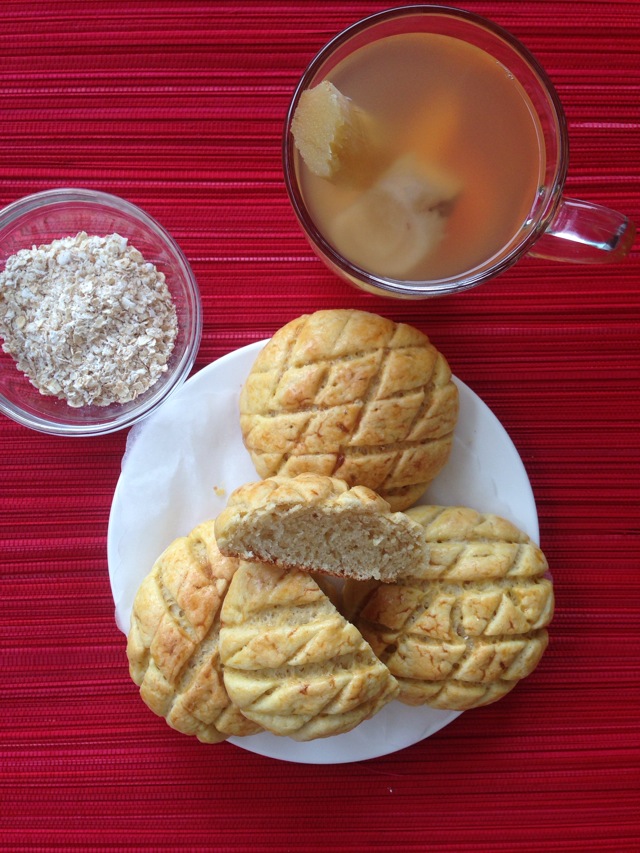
<point>178,107</point>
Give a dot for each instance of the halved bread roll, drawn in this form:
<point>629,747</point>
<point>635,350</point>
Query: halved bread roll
<point>291,662</point>
<point>318,524</point>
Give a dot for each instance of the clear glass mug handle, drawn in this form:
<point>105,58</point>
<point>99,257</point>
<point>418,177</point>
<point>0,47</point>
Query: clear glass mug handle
<point>582,232</point>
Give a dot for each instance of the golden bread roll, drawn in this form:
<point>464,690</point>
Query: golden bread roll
<point>464,634</point>
<point>291,662</point>
<point>172,645</point>
<point>353,395</point>
<point>318,524</point>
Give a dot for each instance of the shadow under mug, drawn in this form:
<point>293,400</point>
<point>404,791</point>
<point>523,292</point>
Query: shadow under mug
<point>557,228</point>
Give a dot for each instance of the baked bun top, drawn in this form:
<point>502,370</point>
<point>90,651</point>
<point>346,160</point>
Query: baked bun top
<point>350,394</point>
<point>172,644</point>
<point>474,625</point>
<point>292,663</point>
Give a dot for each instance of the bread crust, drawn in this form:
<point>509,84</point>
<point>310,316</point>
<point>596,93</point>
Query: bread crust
<point>291,662</point>
<point>467,632</point>
<point>354,395</point>
<point>172,646</point>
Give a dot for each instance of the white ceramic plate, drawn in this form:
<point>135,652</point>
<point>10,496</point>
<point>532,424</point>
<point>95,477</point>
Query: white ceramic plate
<point>183,461</point>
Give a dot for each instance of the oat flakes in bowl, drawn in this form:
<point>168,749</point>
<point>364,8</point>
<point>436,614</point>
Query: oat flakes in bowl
<point>100,314</point>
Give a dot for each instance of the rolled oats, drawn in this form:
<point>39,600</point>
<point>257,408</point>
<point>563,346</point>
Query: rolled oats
<point>87,319</point>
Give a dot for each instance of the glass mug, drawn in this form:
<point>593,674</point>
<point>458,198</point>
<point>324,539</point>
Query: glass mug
<point>553,226</point>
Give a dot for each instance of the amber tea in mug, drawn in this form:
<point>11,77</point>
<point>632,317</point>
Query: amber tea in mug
<point>466,161</point>
<point>448,105</point>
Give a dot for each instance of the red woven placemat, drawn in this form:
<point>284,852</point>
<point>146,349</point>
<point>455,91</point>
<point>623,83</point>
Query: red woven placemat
<point>178,107</point>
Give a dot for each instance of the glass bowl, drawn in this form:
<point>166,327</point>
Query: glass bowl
<point>46,216</point>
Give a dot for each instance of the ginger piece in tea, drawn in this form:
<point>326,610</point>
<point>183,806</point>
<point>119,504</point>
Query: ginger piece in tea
<point>337,139</point>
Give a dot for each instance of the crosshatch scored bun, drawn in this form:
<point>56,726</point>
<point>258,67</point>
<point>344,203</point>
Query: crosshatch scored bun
<point>318,524</point>
<point>291,662</point>
<point>350,394</point>
<point>172,646</point>
<point>475,624</point>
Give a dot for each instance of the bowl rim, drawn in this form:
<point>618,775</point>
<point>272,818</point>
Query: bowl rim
<point>24,206</point>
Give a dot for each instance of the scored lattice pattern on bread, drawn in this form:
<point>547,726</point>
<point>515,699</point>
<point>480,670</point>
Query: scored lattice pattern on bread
<point>173,647</point>
<point>464,634</point>
<point>291,662</point>
<point>319,524</point>
<point>350,394</point>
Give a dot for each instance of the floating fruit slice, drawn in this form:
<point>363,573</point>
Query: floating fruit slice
<point>395,224</point>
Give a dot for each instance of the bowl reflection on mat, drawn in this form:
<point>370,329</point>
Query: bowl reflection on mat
<point>41,218</point>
